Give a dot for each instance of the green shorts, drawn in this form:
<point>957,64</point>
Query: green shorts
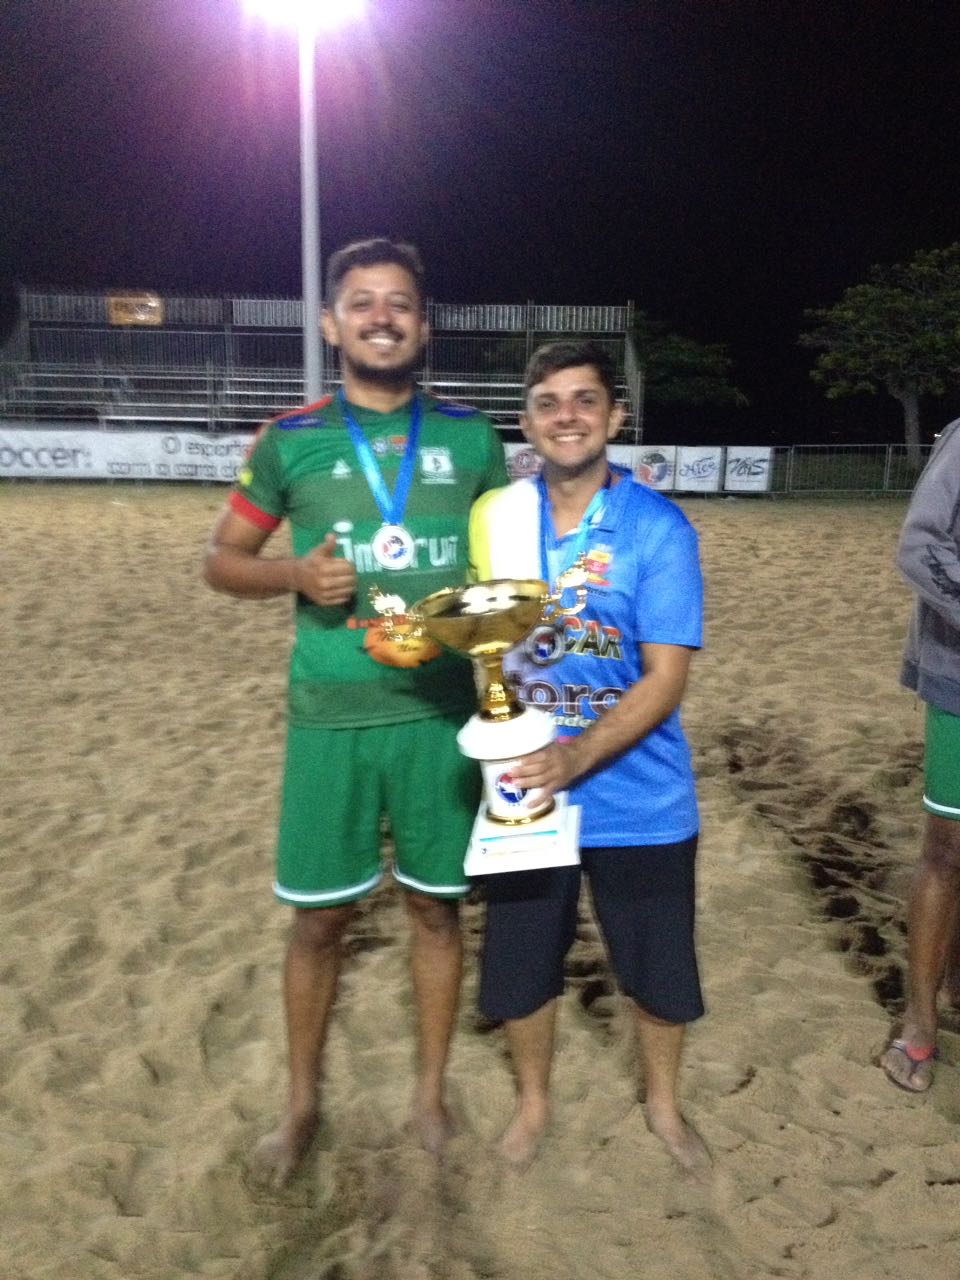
<point>339,783</point>
<point>941,790</point>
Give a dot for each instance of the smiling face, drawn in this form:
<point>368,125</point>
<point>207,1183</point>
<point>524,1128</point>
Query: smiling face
<point>377,321</point>
<point>569,420</point>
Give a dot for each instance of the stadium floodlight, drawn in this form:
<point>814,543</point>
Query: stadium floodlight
<point>309,17</point>
<point>318,14</point>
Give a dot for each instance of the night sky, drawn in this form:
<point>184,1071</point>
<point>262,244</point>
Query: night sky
<point>723,164</point>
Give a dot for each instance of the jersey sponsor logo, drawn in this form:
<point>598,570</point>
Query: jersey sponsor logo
<point>573,706</point>
<point>383,445</point>
<point>245,477</point>
<point>584,637</point>
<point>435,553</point>
<point>308,417</point>
<point>436,465</point>
<point>341,470</point>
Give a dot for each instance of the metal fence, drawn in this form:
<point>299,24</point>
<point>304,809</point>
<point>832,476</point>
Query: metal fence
<point>822,470</point>
<point>92,308</point>
<point>264,347</point>
<point>231,361</point>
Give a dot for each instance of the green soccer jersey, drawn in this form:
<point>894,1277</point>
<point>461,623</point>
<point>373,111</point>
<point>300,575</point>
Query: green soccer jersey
<point>303,467</point>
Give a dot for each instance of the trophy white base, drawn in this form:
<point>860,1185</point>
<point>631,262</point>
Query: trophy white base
<point>550,841</point>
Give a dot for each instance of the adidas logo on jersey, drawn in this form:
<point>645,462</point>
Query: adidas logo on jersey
<point>341,470</point>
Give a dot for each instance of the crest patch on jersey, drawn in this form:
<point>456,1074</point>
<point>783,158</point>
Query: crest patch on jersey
<point>597,566</point>
<point>436,465</point>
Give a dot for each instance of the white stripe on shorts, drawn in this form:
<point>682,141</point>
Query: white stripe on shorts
<point>945,809</point>
<point>434,890</point>
<point>297,899</point>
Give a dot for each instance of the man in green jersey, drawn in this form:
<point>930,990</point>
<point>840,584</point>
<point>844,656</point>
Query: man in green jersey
<point>377,483</point>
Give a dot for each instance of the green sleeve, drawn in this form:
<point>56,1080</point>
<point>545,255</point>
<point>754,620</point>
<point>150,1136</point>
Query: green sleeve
<point>260,479</point>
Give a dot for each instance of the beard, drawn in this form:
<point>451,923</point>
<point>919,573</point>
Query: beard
<point>399,375</point>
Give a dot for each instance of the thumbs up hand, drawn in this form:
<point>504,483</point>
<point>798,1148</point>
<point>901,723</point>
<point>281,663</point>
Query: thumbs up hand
<point>324,576</point>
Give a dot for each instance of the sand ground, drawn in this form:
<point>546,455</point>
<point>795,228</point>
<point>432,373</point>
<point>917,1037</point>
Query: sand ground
<point>141,1050</point>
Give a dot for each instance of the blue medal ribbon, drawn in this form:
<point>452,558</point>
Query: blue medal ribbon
<point>391,509</point>
<point>551,563</point>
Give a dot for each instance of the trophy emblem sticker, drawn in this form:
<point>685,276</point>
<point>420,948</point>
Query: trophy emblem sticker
<point>545,644</point>
<point>509,790</point>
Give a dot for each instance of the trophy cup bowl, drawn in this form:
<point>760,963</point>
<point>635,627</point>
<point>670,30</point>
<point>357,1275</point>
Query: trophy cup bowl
<point>484,621</point>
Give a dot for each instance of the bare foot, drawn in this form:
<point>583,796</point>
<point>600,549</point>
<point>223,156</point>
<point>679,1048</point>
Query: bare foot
<point>909,1066</point>
<point>277,1156</point>
<point>521,1139</point>
<point>680,1139</point>
<point>433,1125</point>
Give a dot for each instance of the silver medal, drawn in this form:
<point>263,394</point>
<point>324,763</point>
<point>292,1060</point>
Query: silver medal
<point>393,547</point>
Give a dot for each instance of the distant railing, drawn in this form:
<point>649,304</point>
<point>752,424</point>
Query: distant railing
<point>261,313</point>
<point>93,308</point>
<point>67,337</point>
<point>821,470</point>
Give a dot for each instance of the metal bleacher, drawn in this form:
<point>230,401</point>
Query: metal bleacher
<point>221,364</point>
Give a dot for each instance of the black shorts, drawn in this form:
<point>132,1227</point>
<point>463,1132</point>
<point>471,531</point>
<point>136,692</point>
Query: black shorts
<point>643,897</point>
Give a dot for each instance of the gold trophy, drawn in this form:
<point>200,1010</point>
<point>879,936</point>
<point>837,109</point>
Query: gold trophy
<point>515,828</point>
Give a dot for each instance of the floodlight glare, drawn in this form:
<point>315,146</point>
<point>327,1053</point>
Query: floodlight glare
<point>310,14</point>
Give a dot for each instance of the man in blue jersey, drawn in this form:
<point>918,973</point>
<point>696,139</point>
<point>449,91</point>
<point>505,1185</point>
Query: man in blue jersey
<point>613,677</point>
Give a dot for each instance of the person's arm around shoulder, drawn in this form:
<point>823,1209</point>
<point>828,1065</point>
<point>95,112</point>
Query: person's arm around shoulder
<point>233,564</point>
<point>928,554</point>
<point>642,707</point>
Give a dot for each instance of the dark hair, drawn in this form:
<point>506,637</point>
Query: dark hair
<point>372,253</point>
<point>554,356</point>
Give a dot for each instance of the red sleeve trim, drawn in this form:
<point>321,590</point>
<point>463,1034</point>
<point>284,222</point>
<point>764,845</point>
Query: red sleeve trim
<point>245,508</point>
<point>308,408</point>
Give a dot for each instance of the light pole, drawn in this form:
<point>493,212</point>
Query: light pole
<point>309,217</point>
<point>309,16</point>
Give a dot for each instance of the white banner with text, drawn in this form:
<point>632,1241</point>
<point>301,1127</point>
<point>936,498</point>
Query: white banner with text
<point>82,453</point>
<point>747,468</point>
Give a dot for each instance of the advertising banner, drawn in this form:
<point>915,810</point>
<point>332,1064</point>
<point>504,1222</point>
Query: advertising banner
<point>699,468</point>
<point>134,308</point>
<point>522,459</point>
<point>78,454</point>
<point>82,453</point>
<point>748,469</point>
<point>656,465</point>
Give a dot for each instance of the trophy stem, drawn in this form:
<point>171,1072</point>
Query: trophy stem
<point>498,698</point>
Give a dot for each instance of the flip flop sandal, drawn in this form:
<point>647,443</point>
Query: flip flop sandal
<point>916,1057</point>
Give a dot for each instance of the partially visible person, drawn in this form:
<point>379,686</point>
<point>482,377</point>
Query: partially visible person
<point>614,677</point>
<point>929,558</point>
<point>376,483</point>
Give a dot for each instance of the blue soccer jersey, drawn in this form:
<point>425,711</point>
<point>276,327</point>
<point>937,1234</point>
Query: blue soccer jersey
<point>644,586</point>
